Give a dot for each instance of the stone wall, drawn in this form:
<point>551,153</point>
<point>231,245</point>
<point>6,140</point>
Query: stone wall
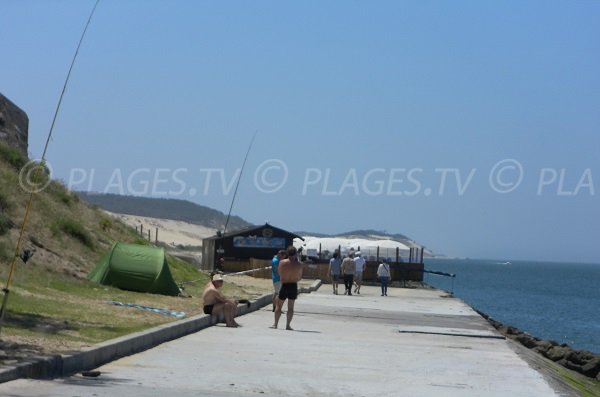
<point>14,125</point>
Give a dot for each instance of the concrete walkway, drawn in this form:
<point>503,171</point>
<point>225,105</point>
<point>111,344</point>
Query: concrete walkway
<point>414,342</point>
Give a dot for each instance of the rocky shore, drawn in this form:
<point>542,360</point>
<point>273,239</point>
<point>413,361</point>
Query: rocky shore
<point>582,361</point>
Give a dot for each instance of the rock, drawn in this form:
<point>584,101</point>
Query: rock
<point>512,331</point>
<point>573,367</point>
<point>592,368</point>
<point>579,357</point>
<point>557,353</point>
<point>526,340</point>
<point>543,346</point>
<point>14,125</point>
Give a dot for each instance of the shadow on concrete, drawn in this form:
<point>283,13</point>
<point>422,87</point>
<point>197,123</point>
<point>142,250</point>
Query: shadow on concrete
<point>103,380</point>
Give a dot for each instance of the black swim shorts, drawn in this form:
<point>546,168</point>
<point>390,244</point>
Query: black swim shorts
<point>208,309</point>
<point>288,291</point>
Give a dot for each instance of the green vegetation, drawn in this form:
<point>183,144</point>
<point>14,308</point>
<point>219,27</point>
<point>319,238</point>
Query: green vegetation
<point>13,157</point>
<point>62,195</point>
<point>5,224</point>
<point>179,210</point>
<point>52,305</point>
<point>586,386</point>
<point>5,253</point>
<point>74,229</point>
<point>4,202</point>
<point>106,224</point>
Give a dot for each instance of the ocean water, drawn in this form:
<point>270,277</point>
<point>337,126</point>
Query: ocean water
<point>550,300</point>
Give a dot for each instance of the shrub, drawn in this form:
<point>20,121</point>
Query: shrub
<point>74,229</point>
<point>5,224</point>
<point>12,156</point>
<point>106,224</point>
<point>62,194</point>
<point>4,252</point>
<point>4,203</point>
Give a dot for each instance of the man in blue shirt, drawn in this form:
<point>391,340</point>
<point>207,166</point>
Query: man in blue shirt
<point>275,275</point>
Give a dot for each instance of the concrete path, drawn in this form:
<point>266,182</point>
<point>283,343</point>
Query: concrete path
<point>414,342</point>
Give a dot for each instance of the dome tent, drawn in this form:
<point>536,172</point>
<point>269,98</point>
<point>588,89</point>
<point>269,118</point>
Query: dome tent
<point>135,268</point>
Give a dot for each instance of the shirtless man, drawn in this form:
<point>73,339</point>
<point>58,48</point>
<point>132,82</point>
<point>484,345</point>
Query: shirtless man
<point>215,303</point>
<point>290,270</point>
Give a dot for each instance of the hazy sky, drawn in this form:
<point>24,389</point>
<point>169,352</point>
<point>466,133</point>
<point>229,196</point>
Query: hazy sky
<point>470,126</point>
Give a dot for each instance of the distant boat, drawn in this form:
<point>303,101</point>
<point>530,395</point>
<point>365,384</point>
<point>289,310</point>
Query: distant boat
<point>503,263</point>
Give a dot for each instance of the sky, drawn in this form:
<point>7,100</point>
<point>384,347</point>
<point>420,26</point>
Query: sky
<point>471,127</point>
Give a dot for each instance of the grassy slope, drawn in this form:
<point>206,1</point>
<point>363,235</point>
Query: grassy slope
<point>52,306</point>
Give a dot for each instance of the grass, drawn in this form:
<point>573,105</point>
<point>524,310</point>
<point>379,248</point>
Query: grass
<point>4,202</point>
<point>56,310</point>
<point>5,252</point>
<point>12,156</point>
<point>586,386</point>
<point>75,230</point>
<point>51,304</point>
<point>5,224</point>
<point>62,195</point>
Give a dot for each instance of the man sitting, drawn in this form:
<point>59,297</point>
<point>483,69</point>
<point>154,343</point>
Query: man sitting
<point>215,303</point>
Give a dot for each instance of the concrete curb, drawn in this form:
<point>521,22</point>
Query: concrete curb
<point>105,352</point>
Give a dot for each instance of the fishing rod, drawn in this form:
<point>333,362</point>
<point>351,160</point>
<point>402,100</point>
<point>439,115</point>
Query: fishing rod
<point>238,182</point>
<point>25,256</point>
<point>183,283</point>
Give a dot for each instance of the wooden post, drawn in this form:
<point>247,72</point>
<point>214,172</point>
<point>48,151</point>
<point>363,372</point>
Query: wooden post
<point>319,250</point>
<point>397,255</point>
<point>142,230</point>
<point>149,238</point>
<point>377,253</point>
<point>422,249</point>
<point>156,241</point>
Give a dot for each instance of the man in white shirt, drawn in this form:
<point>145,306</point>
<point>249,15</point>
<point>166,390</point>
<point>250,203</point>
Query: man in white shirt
<point>358,275</point>
<point>348,270</point>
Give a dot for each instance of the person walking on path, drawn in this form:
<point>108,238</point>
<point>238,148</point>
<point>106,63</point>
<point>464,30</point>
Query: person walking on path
<point>348,270</point>
<point>290,270</point>
<point>360,267</point>
<point>335,268</point>
<point>275,275</point>
<point>215,303</point>
<point>384,275</point>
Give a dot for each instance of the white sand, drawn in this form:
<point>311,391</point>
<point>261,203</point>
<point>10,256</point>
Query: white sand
<point>184,233</point>
<point>169,231</point>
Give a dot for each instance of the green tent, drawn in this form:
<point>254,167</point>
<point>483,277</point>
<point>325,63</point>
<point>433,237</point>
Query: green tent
<point>135,268</point>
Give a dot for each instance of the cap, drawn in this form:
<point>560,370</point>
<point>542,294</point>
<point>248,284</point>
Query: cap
<point>217,277</point>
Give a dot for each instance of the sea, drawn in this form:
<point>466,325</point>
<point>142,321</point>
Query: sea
<point>549,300</point>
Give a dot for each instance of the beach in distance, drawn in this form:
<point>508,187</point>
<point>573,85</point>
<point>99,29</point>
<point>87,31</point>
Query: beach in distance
<point>550,300</point>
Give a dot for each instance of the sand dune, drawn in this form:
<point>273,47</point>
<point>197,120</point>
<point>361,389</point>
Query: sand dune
<point>169,231</point>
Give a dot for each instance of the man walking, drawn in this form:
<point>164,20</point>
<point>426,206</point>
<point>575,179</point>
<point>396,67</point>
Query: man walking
<point>384,274</point>
<point>335,268</point>
<point>275,275</point>
<point>358,276</point>
<point>348,270</point>
<point>290,271</point>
